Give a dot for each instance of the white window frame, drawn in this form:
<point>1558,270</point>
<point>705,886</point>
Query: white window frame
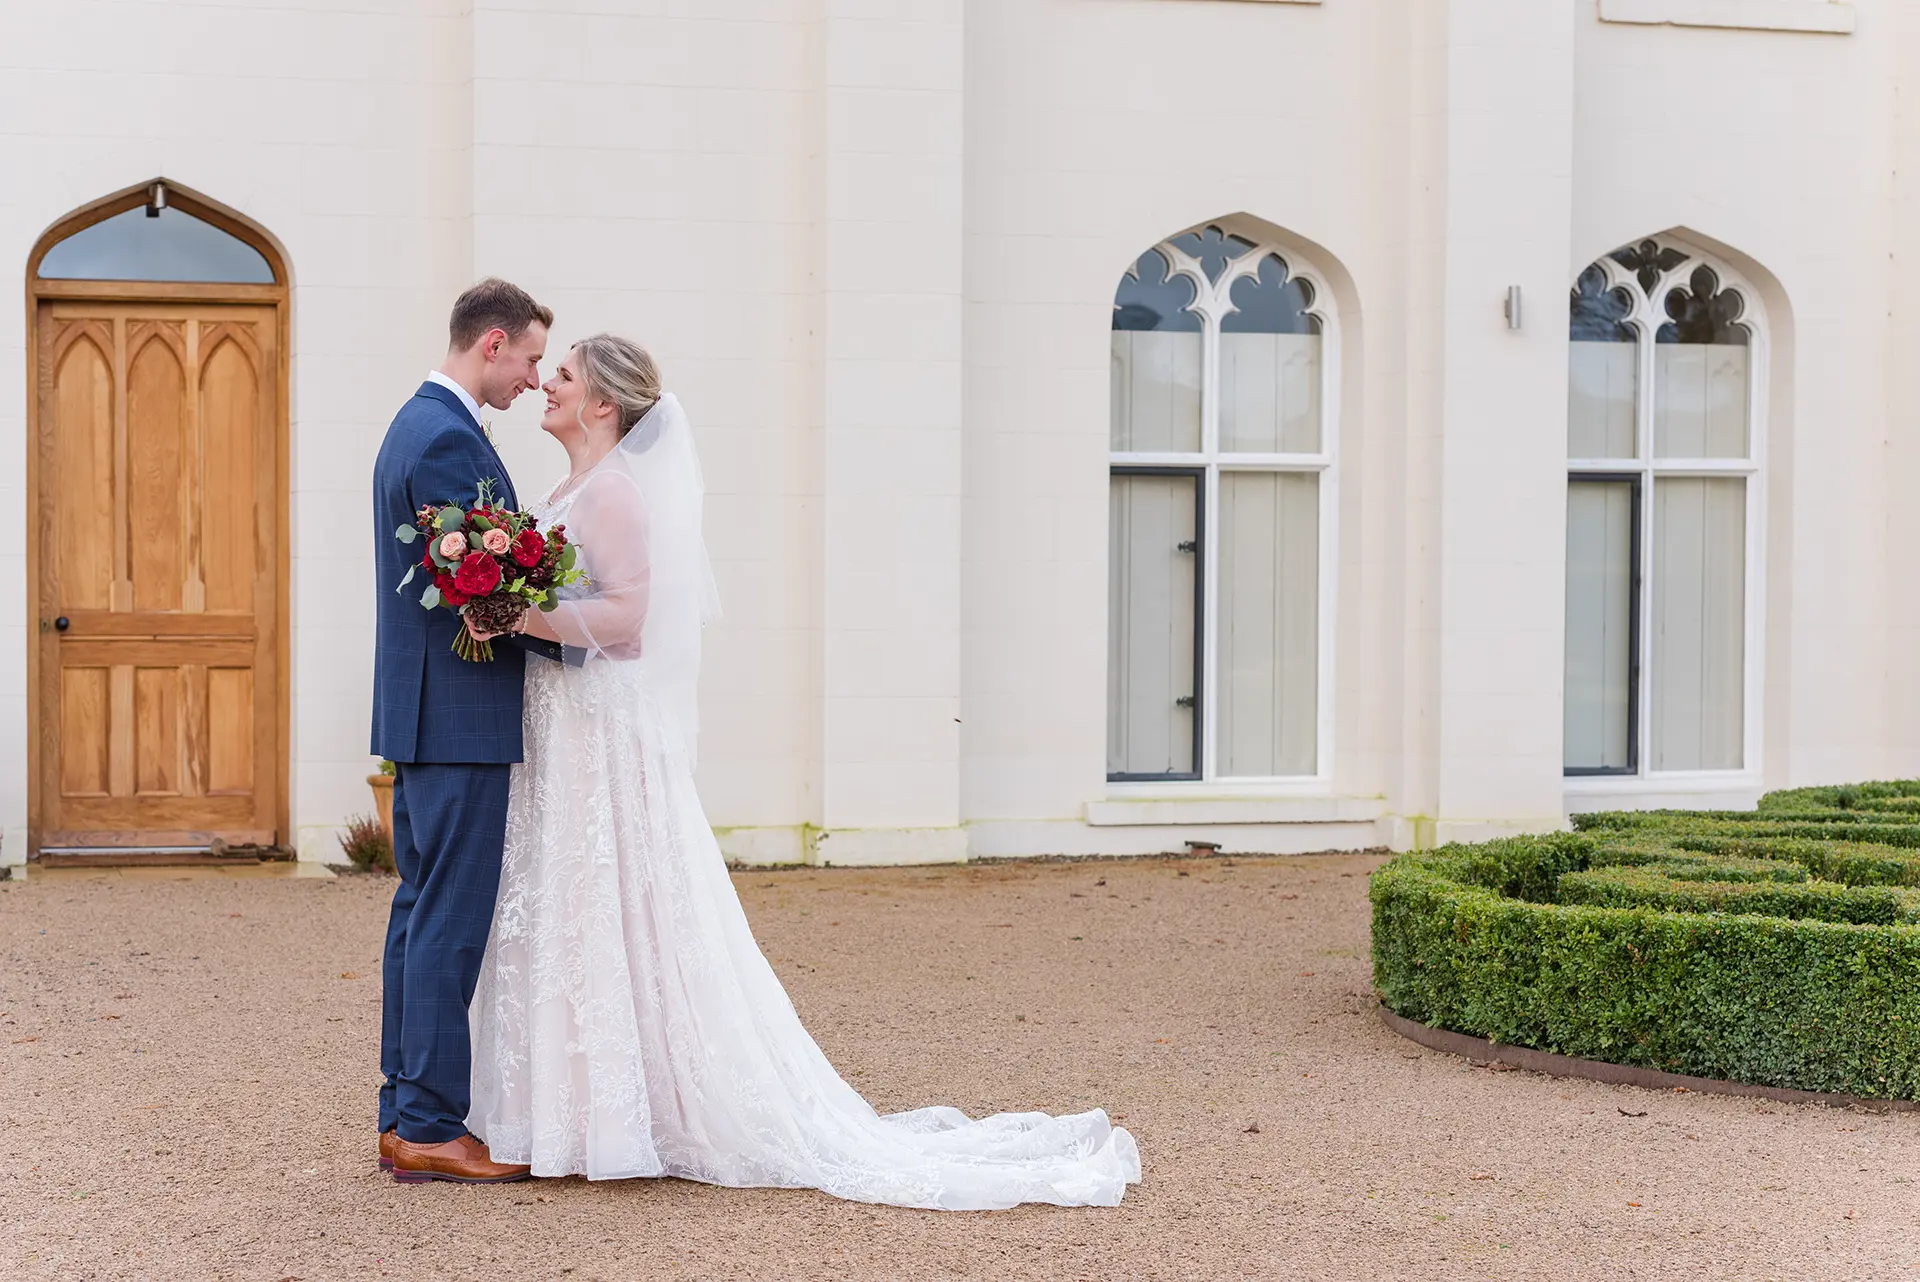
<point>1213,303</point>
<point>1647,786</point>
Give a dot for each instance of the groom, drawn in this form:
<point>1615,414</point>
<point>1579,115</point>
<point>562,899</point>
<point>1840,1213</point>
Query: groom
<point>452,730</point>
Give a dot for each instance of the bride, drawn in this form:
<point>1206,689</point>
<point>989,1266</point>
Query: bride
<point>626,1023</point>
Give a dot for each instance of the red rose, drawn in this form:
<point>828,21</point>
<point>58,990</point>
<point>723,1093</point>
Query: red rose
<point>528,549</point>
<point>449,593</point>
<point>478,575</point>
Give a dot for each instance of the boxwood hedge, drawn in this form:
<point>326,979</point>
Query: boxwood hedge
<point>1779,946</point>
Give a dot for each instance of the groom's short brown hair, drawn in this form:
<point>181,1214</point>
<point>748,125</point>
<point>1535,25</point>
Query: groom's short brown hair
<point>493,304</point>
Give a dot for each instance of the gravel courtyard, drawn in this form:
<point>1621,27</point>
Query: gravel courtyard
<point>188,1075</point>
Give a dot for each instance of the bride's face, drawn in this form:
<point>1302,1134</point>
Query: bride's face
<point>566,397</point>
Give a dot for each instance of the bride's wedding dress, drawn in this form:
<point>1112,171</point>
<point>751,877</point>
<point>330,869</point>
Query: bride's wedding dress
<point>626,1023</point>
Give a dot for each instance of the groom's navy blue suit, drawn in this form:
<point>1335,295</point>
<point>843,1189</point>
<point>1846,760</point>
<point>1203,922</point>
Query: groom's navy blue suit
<point>452,728</point>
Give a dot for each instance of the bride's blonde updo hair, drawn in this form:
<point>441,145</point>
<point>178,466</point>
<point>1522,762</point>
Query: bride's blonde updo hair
<point>620,371</point>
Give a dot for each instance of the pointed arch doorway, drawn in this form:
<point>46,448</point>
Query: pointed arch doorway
<point>157,474</point>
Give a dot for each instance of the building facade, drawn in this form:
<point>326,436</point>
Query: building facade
<point>1127,423</point>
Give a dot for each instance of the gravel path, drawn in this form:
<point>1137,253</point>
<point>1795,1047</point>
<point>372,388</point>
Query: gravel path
<point>187,1072</point>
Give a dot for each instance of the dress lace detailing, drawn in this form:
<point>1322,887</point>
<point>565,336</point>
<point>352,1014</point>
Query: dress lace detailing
<point>627,1024</point>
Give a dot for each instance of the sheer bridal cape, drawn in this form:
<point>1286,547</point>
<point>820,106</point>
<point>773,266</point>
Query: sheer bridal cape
<point>625,1023</point>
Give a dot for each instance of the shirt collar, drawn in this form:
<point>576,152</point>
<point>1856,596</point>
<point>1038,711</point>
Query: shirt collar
<point>473,406</point>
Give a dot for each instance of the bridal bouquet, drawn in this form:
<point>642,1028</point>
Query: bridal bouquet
<point>490,565</point>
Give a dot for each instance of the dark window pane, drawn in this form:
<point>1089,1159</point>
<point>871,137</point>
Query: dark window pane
<point>1150,299</point>
<point>174,246</point>
<point>1270,302</point>
<point>1603,369</point>
<point>1600,692</point>
<point>1270,365</point>
<point>1598,314</point>
<point>1702,373</point>
<point>1702,312</point>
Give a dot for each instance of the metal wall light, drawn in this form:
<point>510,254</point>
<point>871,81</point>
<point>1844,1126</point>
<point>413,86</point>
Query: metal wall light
<point>1513,307</point>
<point>156,199</point>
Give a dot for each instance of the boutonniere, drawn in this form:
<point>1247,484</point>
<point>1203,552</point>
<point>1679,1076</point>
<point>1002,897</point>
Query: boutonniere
<point>486,429</point>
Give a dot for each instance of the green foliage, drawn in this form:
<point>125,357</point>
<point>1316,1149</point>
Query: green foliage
<point>1897,797</point>
<point>1780,946</point>
<point>1694,889</point>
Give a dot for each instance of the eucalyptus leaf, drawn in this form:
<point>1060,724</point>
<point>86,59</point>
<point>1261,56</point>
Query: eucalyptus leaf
<point>409,578</point>
<point>473,541</point>
<point>406,534</point>
<point>430,598</point>
<point>481,523</point>
<point>568,557</point>
<point>450,519</point>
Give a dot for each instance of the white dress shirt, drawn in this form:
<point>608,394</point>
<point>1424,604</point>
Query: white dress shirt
<point>473,406</point>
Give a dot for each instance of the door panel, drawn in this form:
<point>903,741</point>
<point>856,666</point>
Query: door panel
<point>156,453</point>
<point>82,405</point>
<point>230,543</point>
<point>159,501</point>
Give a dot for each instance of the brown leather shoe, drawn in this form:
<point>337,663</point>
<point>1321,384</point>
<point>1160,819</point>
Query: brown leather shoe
<point>464,1161</point>
<point>388,1138</point>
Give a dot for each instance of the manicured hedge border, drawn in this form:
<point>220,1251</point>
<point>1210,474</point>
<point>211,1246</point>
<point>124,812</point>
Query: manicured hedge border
<point>1769,947</point>
<point>1676,891</point>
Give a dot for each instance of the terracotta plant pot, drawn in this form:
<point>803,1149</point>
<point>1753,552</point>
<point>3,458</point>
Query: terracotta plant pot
<point>383,801</point>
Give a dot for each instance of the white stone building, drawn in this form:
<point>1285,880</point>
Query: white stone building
<point>1033,537</point>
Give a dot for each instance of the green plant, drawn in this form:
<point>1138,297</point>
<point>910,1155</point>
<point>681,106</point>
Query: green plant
<point>366,845</point>
<point>386,768</point>
<point>1780,946</point>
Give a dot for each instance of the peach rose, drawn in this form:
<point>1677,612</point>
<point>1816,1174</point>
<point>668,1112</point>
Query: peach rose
<point>496,541</point>
<point>453,546</point>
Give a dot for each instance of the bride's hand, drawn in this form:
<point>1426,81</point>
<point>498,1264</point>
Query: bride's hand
<point>476,633</point>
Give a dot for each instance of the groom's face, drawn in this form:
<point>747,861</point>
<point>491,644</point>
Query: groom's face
<point>513,364</point>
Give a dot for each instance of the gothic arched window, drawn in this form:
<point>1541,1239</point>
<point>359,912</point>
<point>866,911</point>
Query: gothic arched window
<point>1667,355</point>
<point>1220,504</point>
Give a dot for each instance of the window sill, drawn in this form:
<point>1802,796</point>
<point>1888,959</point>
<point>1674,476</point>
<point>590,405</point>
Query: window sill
<point>1125,811</point>
<point>1832,17</point>
<point>1734,790</point>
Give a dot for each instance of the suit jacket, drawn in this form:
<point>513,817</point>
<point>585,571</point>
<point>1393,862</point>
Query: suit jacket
<point>428,703</point>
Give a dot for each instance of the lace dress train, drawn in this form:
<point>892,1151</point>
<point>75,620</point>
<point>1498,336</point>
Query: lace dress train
<point>627,1024</point>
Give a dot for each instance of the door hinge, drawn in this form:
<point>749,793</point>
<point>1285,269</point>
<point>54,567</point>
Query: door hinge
<point>1185,701</point>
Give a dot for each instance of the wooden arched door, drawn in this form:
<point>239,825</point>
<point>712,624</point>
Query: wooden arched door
<point>159,485</point>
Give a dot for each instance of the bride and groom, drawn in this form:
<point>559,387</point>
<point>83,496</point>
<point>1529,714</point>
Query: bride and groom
<point>571,986</point>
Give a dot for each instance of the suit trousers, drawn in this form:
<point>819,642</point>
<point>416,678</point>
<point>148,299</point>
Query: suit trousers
<point>449,827</point>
